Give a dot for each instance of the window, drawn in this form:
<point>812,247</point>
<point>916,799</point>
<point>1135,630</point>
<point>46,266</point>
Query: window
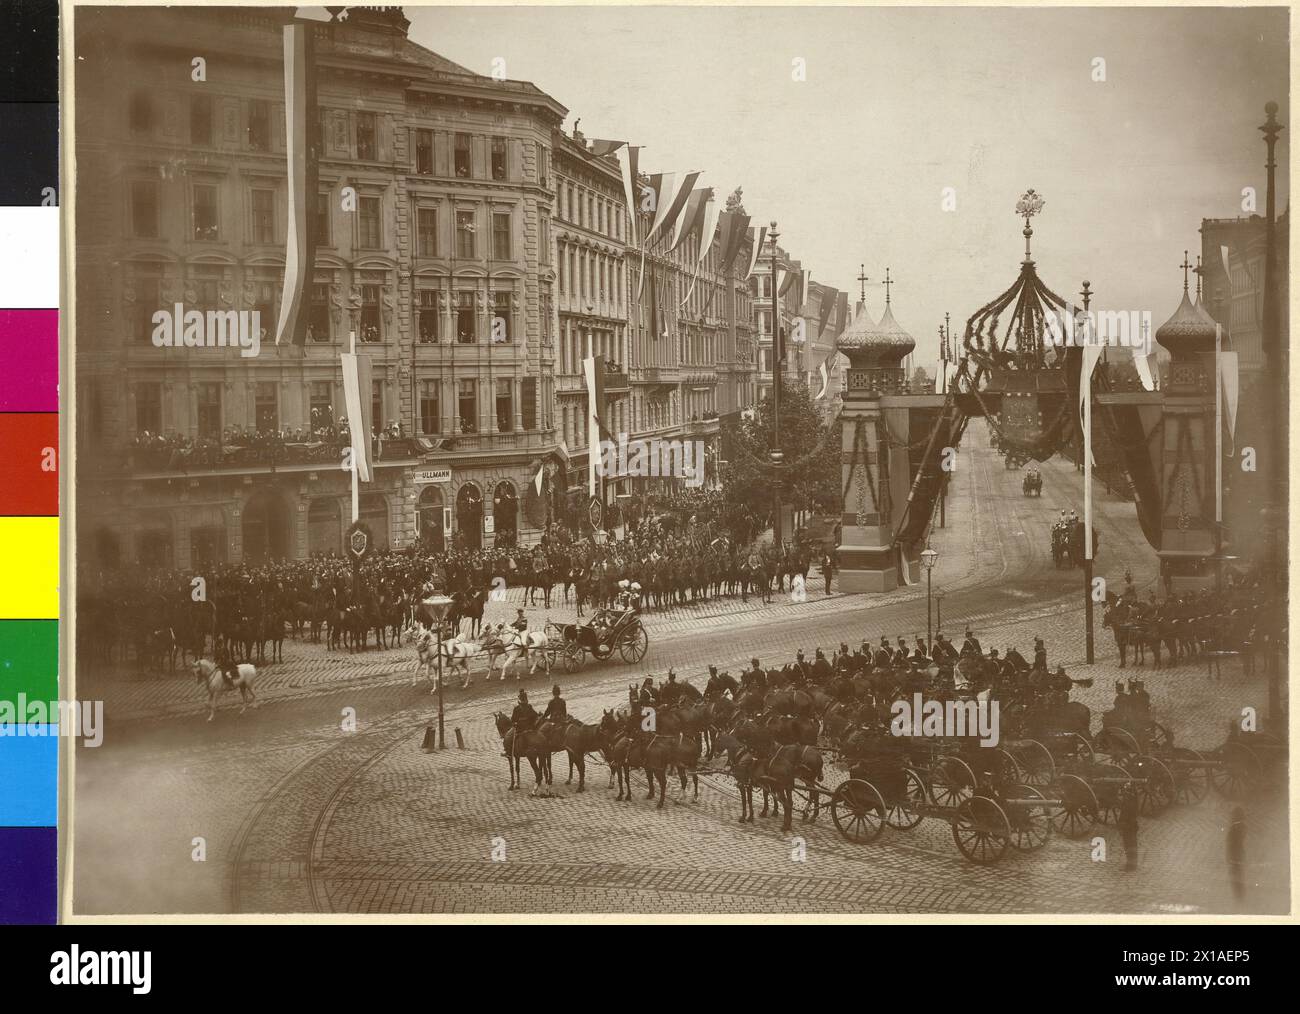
<point>501,329</point>
<point>377,421</point>
<point>501,236</point>
<point>528,402</point>
<point>466,333</point>
<point>370,329</point>
<point>429,410</point>
<point>201,119</point>
<point>323,219</point>
<point>426,228</point>
<point>546,241</point>
<point>543,165</point>
<point>465,234</point>
<point>259,125</point>
<point>427,316</point>
<point>264,293</point>
<point>148,407</point>
<point>424,152</point>
<point>498,158</point>
<point>205,211</point>
<point>367,147</point>
<point>141,114</point>
<point>322,404</point>
<point>467,406</point>
<point>148,299</point>
<point>263,216</point>
<point>208,286</point>
<point>505,406</point>
<point>209,411</point>
<point>267,412</point>
<point>462,155</point>
<point>369,223</point>
<point>144,209</point>
<point>318,313</point>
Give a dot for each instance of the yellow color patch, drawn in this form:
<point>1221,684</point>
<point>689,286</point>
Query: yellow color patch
<point>29,568</point>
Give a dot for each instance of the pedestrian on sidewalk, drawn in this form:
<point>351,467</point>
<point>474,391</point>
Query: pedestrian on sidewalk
<point>828,568</point>
<point>1237,854</point>
<point>1128,826</point>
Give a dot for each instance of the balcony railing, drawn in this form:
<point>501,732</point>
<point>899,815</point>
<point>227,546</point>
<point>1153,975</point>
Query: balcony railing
<point>616,381</point>
<point>254,450</point>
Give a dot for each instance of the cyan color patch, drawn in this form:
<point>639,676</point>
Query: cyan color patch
<point>29,776</point>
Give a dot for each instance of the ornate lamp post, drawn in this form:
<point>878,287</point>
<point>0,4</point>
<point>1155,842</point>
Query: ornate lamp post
<point>438,605</point>
<point>777,353</point>
<point>928,557</point>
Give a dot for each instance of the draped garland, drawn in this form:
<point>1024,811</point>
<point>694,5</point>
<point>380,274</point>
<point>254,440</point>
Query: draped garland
<point>772,468</point>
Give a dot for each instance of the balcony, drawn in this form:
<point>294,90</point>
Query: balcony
<point>158,456</point>
<point>616,382</point>
<point>531,440</point>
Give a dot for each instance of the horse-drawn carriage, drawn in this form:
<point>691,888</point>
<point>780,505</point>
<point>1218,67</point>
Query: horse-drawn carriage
<point>608,631</point>
<point>1032,484</point>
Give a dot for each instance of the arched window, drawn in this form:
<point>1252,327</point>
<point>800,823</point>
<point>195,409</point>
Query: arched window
<point>469,516</point>
<point>505,512</point>
<point>428,515</point>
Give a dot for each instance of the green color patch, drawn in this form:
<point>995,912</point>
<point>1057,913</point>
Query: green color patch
<point>29,659</point>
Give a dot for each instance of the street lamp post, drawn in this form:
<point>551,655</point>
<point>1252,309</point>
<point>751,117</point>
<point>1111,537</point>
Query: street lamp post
<point>928,556</point>
<point>938,612</point>
<point>438,607</point>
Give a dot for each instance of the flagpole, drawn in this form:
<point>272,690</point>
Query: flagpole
<point>1218,455</point>
<point>1086,380</point>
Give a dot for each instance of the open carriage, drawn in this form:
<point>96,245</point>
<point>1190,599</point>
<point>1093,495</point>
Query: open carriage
<point>607,632</point>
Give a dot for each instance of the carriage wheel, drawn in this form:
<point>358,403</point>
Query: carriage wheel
<point>1159,737</point>
<point>1078,813</point>
<point>1191,775</point>
<point>858,811</point>
<point>1031,826</point>
<point>1005,768</point>
<point>1157,790</point>
<point>905,813</point>
<point>1240,771</point>
<point>1108,795</point>
<point>1076,748</point>
<point>951,782</point>
<point>574,657</point>
<point>1117,742</point>
<point>1036,762</point>
<point>981,830</point>
<point>633,644</point>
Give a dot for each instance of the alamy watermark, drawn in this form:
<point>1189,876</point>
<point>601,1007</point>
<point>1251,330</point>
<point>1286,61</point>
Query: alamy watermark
<point>1125,329</point>
<point>946,719</point>
<point>181,328</point>
<point>653,458</point>
<point>24,718</point>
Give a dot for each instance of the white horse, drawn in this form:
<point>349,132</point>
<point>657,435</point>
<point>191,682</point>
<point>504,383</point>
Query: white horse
<point>426,654</point>
<point>460,651</point>
<point>522,643</point>
<point>209,673</point>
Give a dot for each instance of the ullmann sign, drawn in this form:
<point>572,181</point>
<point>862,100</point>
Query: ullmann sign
<point>438,475</point>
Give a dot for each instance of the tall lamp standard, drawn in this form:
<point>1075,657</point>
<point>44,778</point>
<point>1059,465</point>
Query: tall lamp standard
<point>928,556</point>
<point>437,605</point>
<point>777,353</point>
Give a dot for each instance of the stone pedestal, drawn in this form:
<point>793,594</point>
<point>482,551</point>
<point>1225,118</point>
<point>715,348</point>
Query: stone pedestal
<point>868,563</point>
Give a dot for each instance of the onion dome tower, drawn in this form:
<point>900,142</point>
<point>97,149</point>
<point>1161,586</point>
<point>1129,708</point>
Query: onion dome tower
<point>1190,331</point>
<point>876,351</point>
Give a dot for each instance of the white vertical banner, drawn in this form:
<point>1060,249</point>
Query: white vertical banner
<point>356,400</point>
<point>592,371</point>
<point>1091,353</point>
<point>1229,372</point>
<point>1143,363</point>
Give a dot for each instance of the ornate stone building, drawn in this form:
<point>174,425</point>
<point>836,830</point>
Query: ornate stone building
<point>436,195</point>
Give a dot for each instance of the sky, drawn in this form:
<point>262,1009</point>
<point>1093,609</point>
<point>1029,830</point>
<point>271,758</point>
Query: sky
<point>899,103</point>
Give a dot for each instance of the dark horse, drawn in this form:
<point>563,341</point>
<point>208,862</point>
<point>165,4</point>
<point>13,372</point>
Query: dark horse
<point>532,745</point>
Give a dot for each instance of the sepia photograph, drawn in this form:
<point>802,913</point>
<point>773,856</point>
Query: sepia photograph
<point>676,461</point>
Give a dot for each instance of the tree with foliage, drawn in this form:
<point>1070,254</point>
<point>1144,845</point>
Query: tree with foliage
<point>809,479</point>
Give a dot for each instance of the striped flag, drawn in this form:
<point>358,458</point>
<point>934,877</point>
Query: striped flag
<point>757,248</point>
<point>711,211</point>
<point>841,312</point>
<point>356,399</point>
<point>537,479</point>
<point>302,137</point>
<point>691,220</point>
<point>828,298</point>
<point>593,370</point>
<point>734,228</point>
<point>599,148</point>
<point>672,190</point>
<point>630,171</point>
<point>825,371</point>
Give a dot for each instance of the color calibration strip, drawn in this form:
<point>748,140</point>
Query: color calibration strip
<point>29,461</point>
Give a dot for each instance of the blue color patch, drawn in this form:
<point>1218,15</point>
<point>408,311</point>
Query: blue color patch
<point>29,869</point>
<point>29,776</point>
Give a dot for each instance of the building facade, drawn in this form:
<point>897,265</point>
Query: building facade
<point>433,220</point>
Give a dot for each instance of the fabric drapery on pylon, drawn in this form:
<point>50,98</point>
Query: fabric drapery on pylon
<point>1229,373</point>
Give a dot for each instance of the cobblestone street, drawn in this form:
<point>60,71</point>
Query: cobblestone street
<point>295,814</point>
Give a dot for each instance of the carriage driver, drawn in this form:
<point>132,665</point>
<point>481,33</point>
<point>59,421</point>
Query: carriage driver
<point>229,668</point>
<point>521,622</point>
<point>754,678</point>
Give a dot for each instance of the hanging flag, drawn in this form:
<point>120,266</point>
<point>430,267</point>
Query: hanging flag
<point>828,297</point>
<point>302,144</point>
<point>733,226</point>
<point>600,148</point>
<point>757,248</point>
<point>537,479</point>
<point>1142,363</point>
<point>1091,353</point>
<point>1223,256</point>
<point>672,190</point>
<point>825,371</point>
<point>785,280</point>
<point>563,449</point>
<point>904,569</point>
<point>654,305</point>
<point>841,313</point>
<point>593,370</point>
<point>630,173</point>
<point>691,220</point>
<point>711,210</point>
<point>941,378</point>
<point>1228,370</point>
<point>356,399</point>
<point>805,292</point>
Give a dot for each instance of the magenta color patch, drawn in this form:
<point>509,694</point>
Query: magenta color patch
<point>29,343</point>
